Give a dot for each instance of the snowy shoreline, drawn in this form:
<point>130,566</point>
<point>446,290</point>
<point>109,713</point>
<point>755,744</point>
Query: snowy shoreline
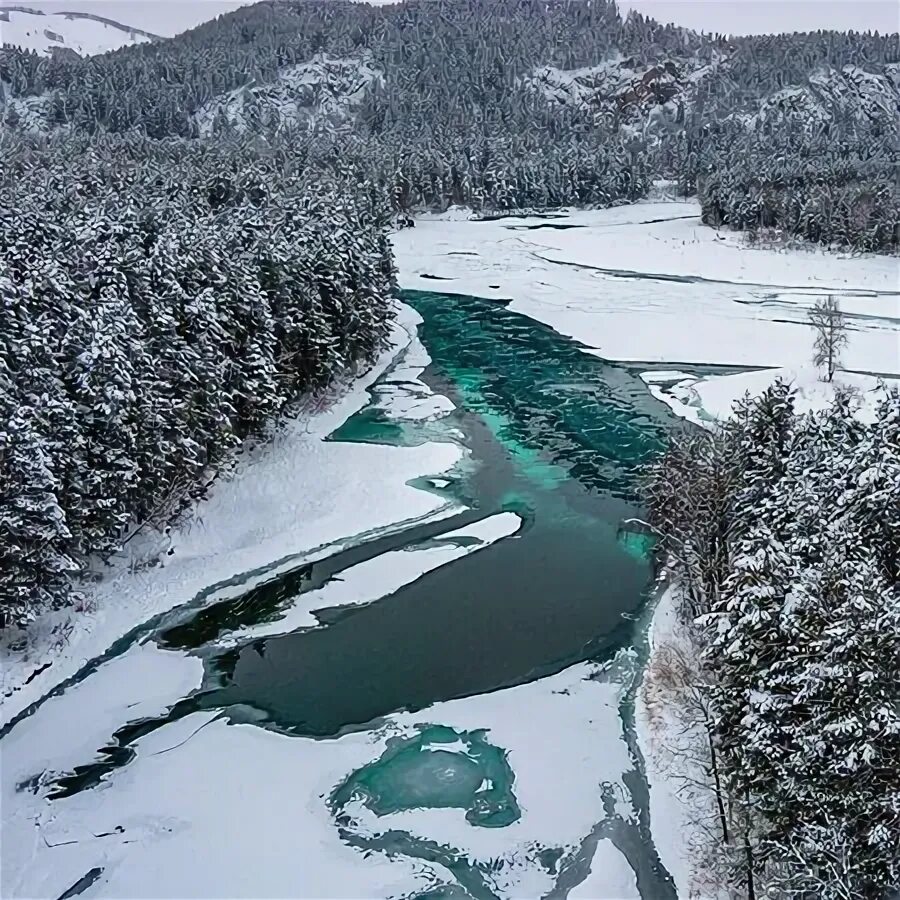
<point>289,497</point>
<point>663,741</point>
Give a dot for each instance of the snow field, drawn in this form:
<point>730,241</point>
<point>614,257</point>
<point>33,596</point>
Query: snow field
<point>648,282</point>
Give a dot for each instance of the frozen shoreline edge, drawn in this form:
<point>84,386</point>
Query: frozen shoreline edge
<point>61,642</point>
<point>675,780</point>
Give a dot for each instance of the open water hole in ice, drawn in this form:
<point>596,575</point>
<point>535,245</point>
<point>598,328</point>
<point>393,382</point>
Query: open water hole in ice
<point>555,435</point>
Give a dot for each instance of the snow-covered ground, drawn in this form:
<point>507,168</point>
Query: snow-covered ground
<point>294,497</point>
<point>44,32</point>
<point>609,877</point>
<point>710,398</point>
<point>673,744</point>
<point>199,811</point>
<point>649,282</point>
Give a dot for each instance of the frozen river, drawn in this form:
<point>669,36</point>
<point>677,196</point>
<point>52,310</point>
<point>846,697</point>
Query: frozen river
<point>396,654</point>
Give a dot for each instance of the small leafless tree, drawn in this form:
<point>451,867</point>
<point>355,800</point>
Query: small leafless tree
<point>830,326</point>
<point>688,494</point>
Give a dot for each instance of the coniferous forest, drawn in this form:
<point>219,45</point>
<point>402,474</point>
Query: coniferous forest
<point>782,533</point>
<point>194,231</point>
<point>194,235</point>
<point>161,302</point>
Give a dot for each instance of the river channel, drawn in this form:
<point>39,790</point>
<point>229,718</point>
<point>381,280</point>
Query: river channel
<point>554,439</point>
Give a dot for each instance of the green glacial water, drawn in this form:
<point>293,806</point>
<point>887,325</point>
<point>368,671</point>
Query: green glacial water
<point>555,435</point>
<point>441,768</point>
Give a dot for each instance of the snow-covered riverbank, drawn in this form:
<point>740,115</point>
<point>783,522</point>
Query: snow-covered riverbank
<point>293,497</point>
<point>673,741</point>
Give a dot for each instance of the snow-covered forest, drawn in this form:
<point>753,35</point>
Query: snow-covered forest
<point>783,541</point>
<point>159,303</point>
<point>518,103</point>
<point>194,230</point>
<point>338,342</point>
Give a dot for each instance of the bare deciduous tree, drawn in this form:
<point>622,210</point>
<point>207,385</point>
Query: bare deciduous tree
<point>688,496</point>
<point>830,326</point>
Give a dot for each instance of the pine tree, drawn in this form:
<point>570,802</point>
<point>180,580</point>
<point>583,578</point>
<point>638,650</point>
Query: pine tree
<point>35,541</point>
<point>832,726</point>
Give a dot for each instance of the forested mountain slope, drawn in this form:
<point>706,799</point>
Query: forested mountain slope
<point>516,103</point>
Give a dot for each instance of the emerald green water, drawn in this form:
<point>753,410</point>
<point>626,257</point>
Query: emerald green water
<point>551,433</point>
<point>440,768</point>
<point>555,435</point>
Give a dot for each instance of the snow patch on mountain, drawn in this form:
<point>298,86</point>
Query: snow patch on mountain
<point>323,89</point>
<point>831,95</point>
<point>656,97</point>
<point>76,32</point>
<point>619,90</point>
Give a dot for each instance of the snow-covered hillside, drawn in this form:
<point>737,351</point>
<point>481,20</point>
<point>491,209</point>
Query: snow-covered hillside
<point>849,94</point>
<point>655,97</point>
<point>324,88</point>
<point>620,87</point>
<point>83,33</point>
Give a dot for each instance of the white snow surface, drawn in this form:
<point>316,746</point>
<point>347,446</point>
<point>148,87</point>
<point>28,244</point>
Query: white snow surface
<point>292,497</point>
<point>634,288</point>
<point>163,17</point>
<point>711,398</point>
<point>682,809</point>
<point>610,878</point>
<point>46,32</point>
<point>570,734</point>
<point>251,799</point>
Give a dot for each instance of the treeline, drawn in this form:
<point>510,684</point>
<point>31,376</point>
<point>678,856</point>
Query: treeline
<point>826,189</point>
<point>453,122</point>
<point>159,303</point>
<point>783,536</point>
<point>447,64</point>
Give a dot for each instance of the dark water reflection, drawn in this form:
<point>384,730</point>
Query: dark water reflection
<point>556,435</point>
